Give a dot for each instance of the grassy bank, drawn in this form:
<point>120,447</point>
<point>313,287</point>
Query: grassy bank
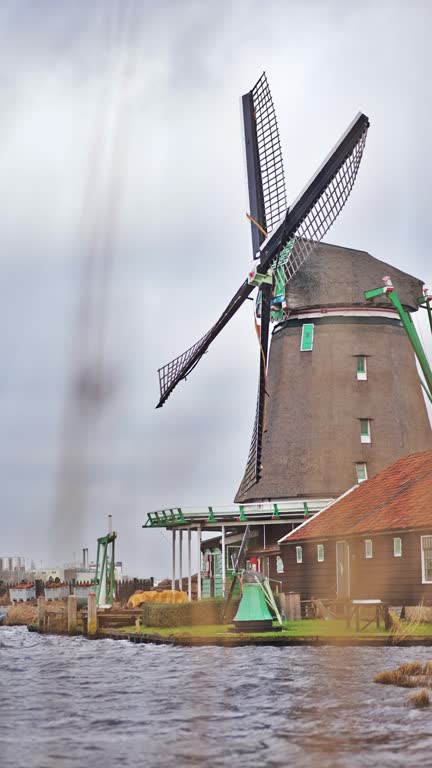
<point>291,630</point>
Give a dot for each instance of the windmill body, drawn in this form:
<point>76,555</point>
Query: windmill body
<point>319,426</point>
<point>317,404</point>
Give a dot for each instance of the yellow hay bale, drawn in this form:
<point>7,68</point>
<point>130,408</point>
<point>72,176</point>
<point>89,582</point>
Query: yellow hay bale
<point>166,596</point>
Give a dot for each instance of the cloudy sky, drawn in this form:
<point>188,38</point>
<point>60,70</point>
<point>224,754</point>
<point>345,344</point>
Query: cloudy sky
<point>123,192</point>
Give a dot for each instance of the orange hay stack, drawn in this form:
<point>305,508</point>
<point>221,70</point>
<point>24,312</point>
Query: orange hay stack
<point>166,596</point>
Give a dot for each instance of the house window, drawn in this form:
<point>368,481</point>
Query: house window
<point>320,553</point>
<point>361,367</point>
<point>361,471</point>
<point>365,430</point>
<point>299,554</point>
<point>397,547</point>
<point>307,337</point>
<point>279,564</point>
<point>368,549</point>
<point>426,558</point>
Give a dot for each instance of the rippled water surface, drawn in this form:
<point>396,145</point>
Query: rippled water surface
<point>74,702</point>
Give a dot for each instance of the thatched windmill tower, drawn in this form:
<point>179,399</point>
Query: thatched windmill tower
<point>344,396</point>
<point>340,398</point>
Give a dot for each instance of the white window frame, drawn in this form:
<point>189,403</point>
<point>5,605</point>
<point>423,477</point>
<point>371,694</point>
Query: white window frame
<point>424,580</point>
<point>395,552</point>
<point>368,549</point>
<point>363,465</point>
<point>365,437</point>
<point>320,553</point>
<point>299,555</point>
<point>361,375</point>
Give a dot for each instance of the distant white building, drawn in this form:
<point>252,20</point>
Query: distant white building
<point>13,564</point>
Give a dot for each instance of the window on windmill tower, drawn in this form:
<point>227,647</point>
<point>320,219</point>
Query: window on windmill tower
<point>365,431</point>
<point>307,337</point>
<point>299,555</point>
<point>361,367</point>
<point>320,553</point>
<point>361,471</point>
<point>368,548</point>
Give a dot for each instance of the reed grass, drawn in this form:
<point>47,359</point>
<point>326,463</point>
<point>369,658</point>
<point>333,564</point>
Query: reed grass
<point>420,699</point>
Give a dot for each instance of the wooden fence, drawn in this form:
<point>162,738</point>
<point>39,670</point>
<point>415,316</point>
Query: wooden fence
<point>123,589</point>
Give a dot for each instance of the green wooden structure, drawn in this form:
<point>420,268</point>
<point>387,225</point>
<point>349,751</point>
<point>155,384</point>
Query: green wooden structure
<point>410,328</point>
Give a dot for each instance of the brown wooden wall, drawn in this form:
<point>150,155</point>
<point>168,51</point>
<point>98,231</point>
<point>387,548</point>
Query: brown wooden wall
<point>310,578</point>
<point>397,580</point>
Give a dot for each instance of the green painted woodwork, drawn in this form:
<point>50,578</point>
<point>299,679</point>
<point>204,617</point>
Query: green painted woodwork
<point>211,518</point>
<point>305,509</point>
<point>276,514</point>
<point>410,330</point>
<point>105,569</point>
<point>253,605</point>
<point>365,427</point>
<point>361,364</point>
<point>242,518</point>
<point>307,337</point>
<point>213,586</point>
<point>426,390</point>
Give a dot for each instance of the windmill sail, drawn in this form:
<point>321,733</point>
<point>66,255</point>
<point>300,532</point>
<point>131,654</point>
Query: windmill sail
<point>306,221</point>
<point>267,200</point>
<point>265,170</point>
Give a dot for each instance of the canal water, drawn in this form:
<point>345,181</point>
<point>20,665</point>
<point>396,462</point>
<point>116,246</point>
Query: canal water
<point>73,702</point>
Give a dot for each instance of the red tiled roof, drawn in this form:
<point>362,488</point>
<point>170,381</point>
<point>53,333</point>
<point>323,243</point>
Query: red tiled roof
<point>399,497</point>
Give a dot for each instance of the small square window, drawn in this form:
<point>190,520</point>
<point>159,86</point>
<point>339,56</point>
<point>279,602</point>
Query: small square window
<point>361,367</point>
<point>368,549</point>
<point>299,554</point>
<point>397,547</point>
<point>361,471</point>
<point>307,337</point>
<point>365,431</point>
<point>320,553</point>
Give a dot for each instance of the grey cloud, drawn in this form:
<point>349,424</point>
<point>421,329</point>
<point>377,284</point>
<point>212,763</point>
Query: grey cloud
<point>178,232</point>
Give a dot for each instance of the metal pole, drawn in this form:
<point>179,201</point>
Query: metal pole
<point>199,561</point>
<point>223,561</point>
<point>189,540</point>
<point>173,560</point>
<point>109,523</point>
<point>180,560</point>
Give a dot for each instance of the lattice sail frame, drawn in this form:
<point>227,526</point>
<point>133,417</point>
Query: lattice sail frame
<point>269,153</point>
<point>306,222</point>
<point>308,233</point>
<point>320,218</point>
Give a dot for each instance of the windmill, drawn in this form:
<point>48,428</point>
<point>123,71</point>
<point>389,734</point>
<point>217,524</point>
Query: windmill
<point>253,614</point>
<point>282,239</point>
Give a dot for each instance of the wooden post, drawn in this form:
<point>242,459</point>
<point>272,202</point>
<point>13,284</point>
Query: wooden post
<point>290,603</point>
<point>199,562</point>
<point>189,537</point>
<point>180,560</point>
<point>91,614</point>
<point>223,561</point>
<point>71,614</point>
<point>41,614</point>
<point>173,560</point>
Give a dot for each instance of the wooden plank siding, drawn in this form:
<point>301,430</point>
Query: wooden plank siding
<point>397,580</point>
<point>310,578</point>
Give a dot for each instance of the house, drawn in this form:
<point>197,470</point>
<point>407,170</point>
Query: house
<point>375,541</point>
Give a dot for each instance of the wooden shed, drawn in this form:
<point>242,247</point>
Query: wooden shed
<point>374,542</point>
